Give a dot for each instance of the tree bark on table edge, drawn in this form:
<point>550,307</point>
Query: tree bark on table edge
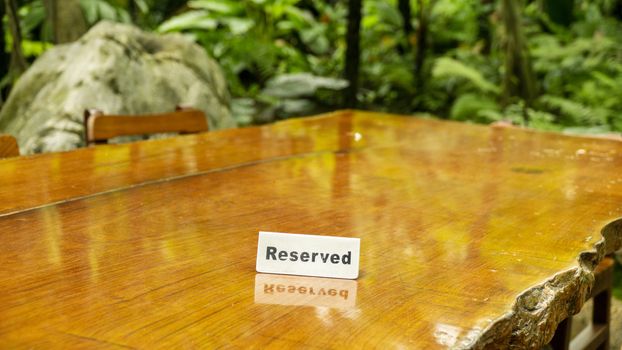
<point>537,311</point>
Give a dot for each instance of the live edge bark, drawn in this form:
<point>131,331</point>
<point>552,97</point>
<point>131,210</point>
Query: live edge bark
<point>537,312</point>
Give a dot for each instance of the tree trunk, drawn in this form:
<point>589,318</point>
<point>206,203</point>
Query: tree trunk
<point>560,11</point>
<point>353,54</point>
<point>519,80</point>
<point>5,57</point>
<point>407,27</point>
<point>134,11</point>
<point>421,52</point>
<point>422,43</point>
<point>484,26</point>
<point>617,10</point>
<point>18,61</point>
<point>66,20</point>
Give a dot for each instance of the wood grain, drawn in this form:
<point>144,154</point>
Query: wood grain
<point>471,237</point>
<point>32,181</point>
<point>8,146</point>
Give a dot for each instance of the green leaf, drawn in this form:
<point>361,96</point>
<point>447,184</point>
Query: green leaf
<point>298,107</point>
<point>190,20</point>
<point>388,13</point>
<point>542,120</point>
<point>475,107</point>
<point>90,10</point>
<point>34,48</point>
<point>238,26</point>
<point>243,110</point>
<point>607,80</point>
<point>300,84</point>
<point>95,10</point>
<point>33,18</point>
<point>142,6</point>
<point>578,113</point>
<point>315,38</point>
<point>446,67</point>
<point>220,6</point>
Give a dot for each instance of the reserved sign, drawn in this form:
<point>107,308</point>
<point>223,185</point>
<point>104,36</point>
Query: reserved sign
<point>308,255</point>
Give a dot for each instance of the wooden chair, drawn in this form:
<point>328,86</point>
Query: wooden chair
<point>8,146</point>
<point>596,335</point>
<point>100,127</point>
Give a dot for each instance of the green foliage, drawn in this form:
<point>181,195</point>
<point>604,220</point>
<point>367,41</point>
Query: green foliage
<point>97,10</point>
<point>581,72</point>
<point>454,22</point>
<point>475,107</point>
<point>449,68</point>
<point>301,84</point>
<point>35,36</point>
<point>578,69</point>
<point>285,57</point>
<point>261,45</point>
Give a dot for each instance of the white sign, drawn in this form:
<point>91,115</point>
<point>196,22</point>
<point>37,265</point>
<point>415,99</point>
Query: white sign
<point>308,255</point>
<point>306,291</point>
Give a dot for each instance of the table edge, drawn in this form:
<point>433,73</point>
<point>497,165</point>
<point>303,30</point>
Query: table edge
<point>571,289</point>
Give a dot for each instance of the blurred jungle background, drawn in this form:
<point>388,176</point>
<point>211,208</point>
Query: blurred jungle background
<point>546,64</point>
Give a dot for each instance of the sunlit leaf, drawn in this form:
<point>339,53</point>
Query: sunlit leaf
<point>220,6</point>
<point>298,106</point>
<point>189,20</point>
<point>142,5</point>
<point>301,84</point>
<point>238,25</point>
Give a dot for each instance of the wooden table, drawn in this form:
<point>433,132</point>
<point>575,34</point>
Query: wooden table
<point>471,236</point>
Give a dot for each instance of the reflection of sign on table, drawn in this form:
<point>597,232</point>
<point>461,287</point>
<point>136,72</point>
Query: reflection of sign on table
<point>307,291</point>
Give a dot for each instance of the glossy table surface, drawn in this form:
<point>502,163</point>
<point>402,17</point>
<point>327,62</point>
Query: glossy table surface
<point>471,236</point>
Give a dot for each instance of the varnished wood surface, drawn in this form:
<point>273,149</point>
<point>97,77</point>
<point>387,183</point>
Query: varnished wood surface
<point>8,146</point>
<point>37,180</point>
<point>456,221</point>
<point>99,127</point>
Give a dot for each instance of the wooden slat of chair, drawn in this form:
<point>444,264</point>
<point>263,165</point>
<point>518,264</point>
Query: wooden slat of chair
<point>8,146</point>
<point>100,127</point>
<point>596,335</point>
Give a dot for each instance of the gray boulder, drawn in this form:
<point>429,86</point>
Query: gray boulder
<point>118,69</point>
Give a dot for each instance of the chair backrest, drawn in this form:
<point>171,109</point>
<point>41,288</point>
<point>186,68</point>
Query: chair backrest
<point>8,146</point>
<point>100,127</point>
